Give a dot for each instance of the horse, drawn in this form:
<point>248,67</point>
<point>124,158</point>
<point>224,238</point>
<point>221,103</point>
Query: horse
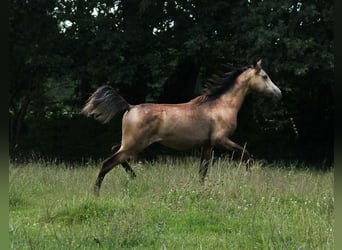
<point>206,121</point>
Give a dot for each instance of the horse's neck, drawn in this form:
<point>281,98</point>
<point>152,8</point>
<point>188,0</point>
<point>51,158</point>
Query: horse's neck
<point>235,96</point>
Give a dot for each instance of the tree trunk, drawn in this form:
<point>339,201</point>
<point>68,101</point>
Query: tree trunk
<point>17,120</point>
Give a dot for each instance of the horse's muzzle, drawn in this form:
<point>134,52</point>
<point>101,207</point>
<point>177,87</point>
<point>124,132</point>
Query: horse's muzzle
<point>277,95</point>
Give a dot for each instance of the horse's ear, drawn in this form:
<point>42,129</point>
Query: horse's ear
<point>257,65</point>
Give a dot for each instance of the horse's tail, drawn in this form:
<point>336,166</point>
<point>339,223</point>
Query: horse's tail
<point>104,104</point>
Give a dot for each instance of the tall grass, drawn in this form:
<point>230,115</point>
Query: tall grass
<point>165,207</point>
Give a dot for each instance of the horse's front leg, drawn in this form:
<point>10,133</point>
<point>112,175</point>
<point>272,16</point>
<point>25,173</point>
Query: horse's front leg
<point>205,159</point>
<point>230,145</point>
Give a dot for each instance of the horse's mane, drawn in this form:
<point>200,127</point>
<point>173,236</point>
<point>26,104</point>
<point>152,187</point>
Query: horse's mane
<point>220,83</point>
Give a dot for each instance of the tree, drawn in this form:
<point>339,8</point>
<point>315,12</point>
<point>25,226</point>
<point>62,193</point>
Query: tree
<point>32,59</point>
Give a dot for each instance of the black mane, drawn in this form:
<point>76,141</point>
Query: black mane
<point>224,82</point>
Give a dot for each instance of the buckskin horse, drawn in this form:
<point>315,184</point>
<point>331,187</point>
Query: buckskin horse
<point>205,121</point>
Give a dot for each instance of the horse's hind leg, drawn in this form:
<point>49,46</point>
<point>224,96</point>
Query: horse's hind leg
<point>107,165</point>
<point>124,164</point>
<point>116,148</point>
<point>205,159</point>
<point>128,169</point>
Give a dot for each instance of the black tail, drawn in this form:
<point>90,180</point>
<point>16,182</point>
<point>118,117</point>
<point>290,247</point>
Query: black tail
<point>104,104</point>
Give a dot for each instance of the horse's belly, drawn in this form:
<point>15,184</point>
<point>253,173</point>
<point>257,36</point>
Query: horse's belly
<point>183,141</point>
<point>178,144</point>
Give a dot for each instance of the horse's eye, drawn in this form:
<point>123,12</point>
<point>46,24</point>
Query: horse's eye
<point>264,76</point>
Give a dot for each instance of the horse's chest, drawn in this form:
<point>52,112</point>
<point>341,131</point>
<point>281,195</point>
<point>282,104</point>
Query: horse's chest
<point>224,126</point>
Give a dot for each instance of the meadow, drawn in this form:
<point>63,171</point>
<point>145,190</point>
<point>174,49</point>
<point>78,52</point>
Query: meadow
<point>274,207</point>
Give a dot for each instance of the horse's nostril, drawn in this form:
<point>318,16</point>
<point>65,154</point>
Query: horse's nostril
<point>277,96</point>
<point>280,95</point>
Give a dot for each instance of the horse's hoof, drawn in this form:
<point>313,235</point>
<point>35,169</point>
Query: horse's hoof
<point>96,191</point>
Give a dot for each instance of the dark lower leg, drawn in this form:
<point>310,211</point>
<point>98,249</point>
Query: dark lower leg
<point>128,169</point>
<point>107,165</point>
<point>248,164</point>
<point>203,170</point>
<point>205,158</point>
<point>98,184</point>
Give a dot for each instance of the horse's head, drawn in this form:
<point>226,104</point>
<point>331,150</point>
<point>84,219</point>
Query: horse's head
<point>261,82</point>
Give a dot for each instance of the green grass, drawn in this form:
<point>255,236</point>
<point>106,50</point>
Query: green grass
<point>53,207</point>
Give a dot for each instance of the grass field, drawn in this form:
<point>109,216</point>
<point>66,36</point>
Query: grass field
<point>279,207</point>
